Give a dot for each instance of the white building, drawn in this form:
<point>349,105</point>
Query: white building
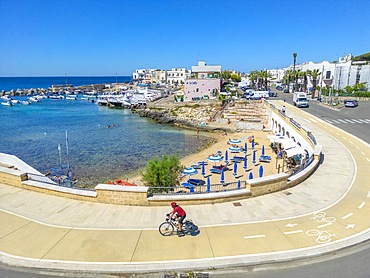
<point>337,75</point>
<point>203,70</point>
<point>177,76</point>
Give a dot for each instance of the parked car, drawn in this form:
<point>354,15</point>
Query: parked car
<point>197,182</point>
<point>279,88</point>
<point>350,103</point>
<point>286,90</point>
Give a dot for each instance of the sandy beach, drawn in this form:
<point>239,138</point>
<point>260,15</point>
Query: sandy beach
<point>222,145</point>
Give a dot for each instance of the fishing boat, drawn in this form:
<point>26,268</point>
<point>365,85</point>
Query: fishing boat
<point>25,102</point>
<point>7,103</point>
<point>71,97</point>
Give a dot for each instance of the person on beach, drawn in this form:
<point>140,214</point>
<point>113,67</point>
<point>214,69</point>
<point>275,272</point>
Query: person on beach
<point>179,214</point>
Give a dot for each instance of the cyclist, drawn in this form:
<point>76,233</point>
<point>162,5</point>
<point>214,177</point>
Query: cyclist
<point>179,215</point>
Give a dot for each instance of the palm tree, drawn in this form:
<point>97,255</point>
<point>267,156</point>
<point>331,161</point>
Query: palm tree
<point>303,75</point>
<point>314,74</point>
<point>253,78</point>
<point>288,77</point>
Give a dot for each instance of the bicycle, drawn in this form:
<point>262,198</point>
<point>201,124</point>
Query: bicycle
<point>168,227</point>
<point>322,236</point>
<point>321,217</point>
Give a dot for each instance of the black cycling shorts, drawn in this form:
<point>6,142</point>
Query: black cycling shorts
<point>181,218</point>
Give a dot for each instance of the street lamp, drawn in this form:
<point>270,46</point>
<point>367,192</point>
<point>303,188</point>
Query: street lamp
<point>294,61</point>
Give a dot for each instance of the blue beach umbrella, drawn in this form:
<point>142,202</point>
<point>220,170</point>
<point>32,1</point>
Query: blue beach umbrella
<point>245,148</point>
<point>254,157</point>
<point>250,176</point>
<point>215,158</point>
<point>222,179</point>
<point>235,168</point>
<point>235,149</point>
<point>238,184</point>
<point>203,171</point>
<point>234,141</point>
<point>263,149</point>
<point>189,171</point>
<point>226,156</point>
<point>260,171</point>
<point>245,163</point>
<point>208,184</point>
<point>253,144</point>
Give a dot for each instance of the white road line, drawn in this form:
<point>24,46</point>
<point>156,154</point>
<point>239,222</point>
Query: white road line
<point>368,159</point>
<point>255,236</point>
<point>344,138</point>
<point>343,121</point>
<point>358,147</point>
<point>337,133</point>
<point>361,121</point>
<point>350,121</point>
<point>330,122</point>
<point>324,225</point>
<point>350,142</point>
<point>335,121</point>
<point>348,215</point>
<point>357,121</point>
<point>367,120</point>
<point>363,153</point>
<point>313,120</point>
<point>293,232</point>
<point>307,120</point>
<point>361,206</point>
<point>368,194</point>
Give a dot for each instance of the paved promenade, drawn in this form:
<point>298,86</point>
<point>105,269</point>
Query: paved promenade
<point>39,230</point>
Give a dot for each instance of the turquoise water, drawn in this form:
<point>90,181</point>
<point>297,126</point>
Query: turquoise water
<point>96,153</point>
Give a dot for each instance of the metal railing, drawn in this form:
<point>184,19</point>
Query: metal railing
<point>182,190</point>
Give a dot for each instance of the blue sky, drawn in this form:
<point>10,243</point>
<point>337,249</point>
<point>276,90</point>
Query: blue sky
<point>95,37</point>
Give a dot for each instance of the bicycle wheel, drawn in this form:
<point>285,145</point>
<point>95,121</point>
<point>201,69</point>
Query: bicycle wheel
<point>166,229</point>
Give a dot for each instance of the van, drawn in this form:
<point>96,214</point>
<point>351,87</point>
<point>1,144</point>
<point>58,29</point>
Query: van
<point>300,99</point>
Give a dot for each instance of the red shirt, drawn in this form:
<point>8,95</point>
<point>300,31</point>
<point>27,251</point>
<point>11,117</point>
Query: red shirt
<point>179,211</point>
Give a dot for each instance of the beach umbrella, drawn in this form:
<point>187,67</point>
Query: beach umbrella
<point>226,156</point>
<point>263,150</point>
<point>238,184</point>
<point>254,157</point>
<point>250,176</point>
<point>253,144</point>
<point>222,179</point>
<point>261,171</point>
<point>235,149</point>
<point>234,141</point>
<point>245,163</point>
<point>203,171</point>
<point>235,168</point>
<point>189,171</point>
<point>208,184</point>
<point>215,158</point>
<point>245,148</point>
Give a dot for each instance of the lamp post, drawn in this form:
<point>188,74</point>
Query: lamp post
<point>294,61</point>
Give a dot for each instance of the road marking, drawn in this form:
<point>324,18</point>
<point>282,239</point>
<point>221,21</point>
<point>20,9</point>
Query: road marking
<point>340,120</point>
<point>349,121</point>
<point>328,121</point>
<point>368,159</point>
<point>362,121</point>
<point>363,153</point>
<point>344,138</point>
<point>361,206</point>
<point>255,236</point>
<point>290,225</point>
<point>293,232</point>
<point>337,133</point>
<point>324,225</point>
<point>368,194</point>
<point>313,120</point>
<point>357,147</point>
<point>350,226</point>
<point>347,215</point>
<point>357,121</point>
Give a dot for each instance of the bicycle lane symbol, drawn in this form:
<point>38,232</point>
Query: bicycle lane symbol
<point>321,236</point>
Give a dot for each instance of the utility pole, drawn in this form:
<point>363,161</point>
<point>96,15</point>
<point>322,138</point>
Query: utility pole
<point>294,74</point>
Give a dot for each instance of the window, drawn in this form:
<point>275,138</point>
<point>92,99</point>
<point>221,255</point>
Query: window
<point>197,90</point>
<point>328,74</point>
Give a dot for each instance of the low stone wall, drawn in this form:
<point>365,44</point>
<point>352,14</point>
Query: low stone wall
<point>122,195</point>
<point>269,184</point>
<point>12,177</point>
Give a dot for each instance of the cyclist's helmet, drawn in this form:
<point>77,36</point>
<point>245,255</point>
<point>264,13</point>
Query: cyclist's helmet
<point>173,204</point>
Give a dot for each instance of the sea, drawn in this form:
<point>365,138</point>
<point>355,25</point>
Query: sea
<point>96,153</point>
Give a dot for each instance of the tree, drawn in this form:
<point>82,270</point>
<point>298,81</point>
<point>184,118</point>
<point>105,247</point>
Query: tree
<point>236,78</point>
<point>226,75</point>
<point>314,74</point>
<point>253,78</point>
<point>162,172</point>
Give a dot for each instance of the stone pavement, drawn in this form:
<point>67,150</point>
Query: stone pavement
<point>39,230</point>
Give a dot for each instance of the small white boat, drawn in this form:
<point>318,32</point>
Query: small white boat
<point>71,97</point>
<point>57,97</point>
<point>8,103</point>
<point>33,99</point>
<point>14,101</point>
<point>25,102</point>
